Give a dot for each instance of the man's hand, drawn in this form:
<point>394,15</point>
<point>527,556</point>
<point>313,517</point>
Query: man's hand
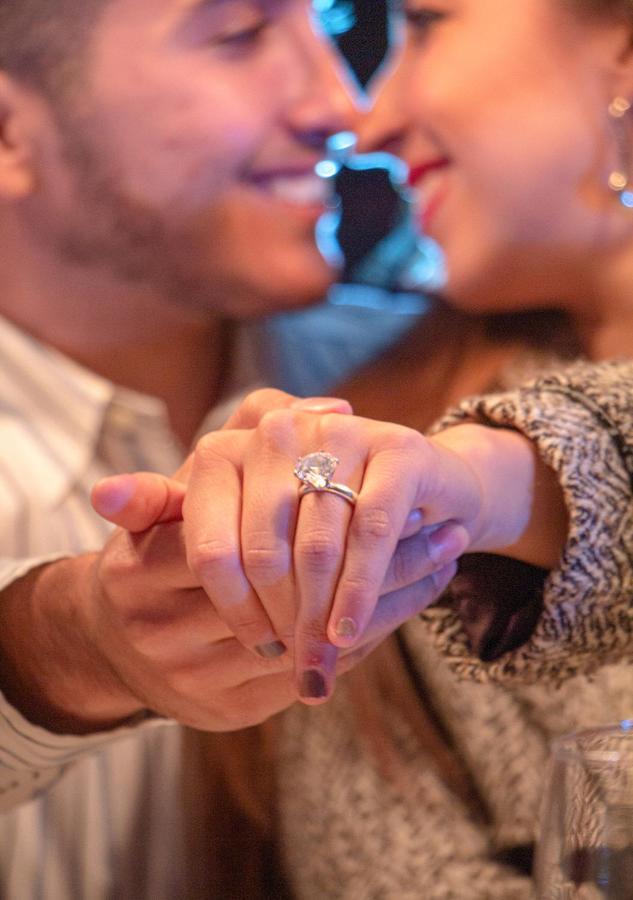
<point>88,642</point>
<point>91,641</point>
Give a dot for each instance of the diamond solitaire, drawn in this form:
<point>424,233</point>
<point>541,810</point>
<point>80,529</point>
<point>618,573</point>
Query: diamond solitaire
<point>316,469</point>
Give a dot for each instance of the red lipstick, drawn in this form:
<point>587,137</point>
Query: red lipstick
<point>430,202</point>
<point>417,173</point>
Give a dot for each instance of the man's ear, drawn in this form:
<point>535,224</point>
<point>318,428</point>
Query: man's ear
<point>17,177</point>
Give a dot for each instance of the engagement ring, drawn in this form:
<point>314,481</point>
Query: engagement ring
<point>315,471</point>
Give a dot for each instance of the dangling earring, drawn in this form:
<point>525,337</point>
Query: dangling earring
<point>619,178</point>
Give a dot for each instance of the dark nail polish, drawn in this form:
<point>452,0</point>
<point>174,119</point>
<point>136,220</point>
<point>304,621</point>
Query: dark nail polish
<point>313,684</point>
<point>272,650</point>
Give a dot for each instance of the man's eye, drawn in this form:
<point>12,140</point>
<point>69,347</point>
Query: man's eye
<point>242,36</point>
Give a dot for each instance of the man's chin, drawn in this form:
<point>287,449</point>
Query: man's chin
<point>282,293</point>
<point>262,306</point>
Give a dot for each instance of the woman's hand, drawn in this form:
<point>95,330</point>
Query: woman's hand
<point>164,642</point>
<point>306,573</point>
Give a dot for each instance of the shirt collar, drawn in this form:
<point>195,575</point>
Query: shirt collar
<point>58,409</point>
<point>68,409</point>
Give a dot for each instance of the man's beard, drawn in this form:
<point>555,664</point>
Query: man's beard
<point>195,262</point>
<point>134,242</point>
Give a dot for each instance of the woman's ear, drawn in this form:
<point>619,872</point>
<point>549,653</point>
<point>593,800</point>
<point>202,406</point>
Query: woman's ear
<point>623,61</point>
<point>17,177</point>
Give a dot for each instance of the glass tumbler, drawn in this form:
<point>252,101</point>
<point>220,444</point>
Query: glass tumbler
<point>585,850</point>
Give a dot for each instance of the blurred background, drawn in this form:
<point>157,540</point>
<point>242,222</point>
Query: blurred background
<point>379,295</point>
<point>361,30</point>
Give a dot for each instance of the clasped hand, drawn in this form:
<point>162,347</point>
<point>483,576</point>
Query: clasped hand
<point>306,583</point>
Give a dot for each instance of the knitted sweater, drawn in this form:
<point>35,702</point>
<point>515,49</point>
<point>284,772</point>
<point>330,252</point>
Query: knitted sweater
<point>348,833</point>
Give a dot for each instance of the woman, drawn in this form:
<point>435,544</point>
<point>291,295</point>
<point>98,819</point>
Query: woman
<point>407,783</point>
<point>502,111</point>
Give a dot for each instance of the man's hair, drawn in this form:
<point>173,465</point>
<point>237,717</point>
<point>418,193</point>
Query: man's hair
<point>42,42</point>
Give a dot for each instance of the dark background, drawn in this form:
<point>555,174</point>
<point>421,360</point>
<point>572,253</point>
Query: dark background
<point>366,44</point>
<point>370,207</point>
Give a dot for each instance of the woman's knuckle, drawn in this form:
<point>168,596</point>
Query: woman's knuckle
<point>275,423</point>
<point>204,444</point>
<point>208,450</point>
<point>210,557</point>
<point>339,427</point>
<point>356,588</point>
<point>259,402</point>
<point>319,550</point>
<point>312,633</point>
<point>404,440</point>
<point>265,557</point>
<point>372,522</point>
<point>249,626</point>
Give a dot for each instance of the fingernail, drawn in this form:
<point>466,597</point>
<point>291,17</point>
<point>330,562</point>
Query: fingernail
<point>415,519</point>
<point>321,404</point>
<point>447,543</point>
<point>272,650</point>
<point>414,523</point>
<point>443,577</point>
<point>346,628</point>
<point>313,685</point>
<point>112,494</point>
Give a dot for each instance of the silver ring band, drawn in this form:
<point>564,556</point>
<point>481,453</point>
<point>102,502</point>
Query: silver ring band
<point>341,490</point>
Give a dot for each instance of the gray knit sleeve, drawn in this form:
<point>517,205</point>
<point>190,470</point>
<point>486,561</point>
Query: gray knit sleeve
<point>581,421</point>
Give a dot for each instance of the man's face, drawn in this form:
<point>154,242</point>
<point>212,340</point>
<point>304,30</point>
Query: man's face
<point>186,160</point>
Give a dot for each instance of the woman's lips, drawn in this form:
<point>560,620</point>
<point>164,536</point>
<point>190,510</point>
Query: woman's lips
<point>417,173</point>
<point>429,182</point>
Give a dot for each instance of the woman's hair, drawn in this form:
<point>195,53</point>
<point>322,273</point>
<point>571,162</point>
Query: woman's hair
<point>623,8</point>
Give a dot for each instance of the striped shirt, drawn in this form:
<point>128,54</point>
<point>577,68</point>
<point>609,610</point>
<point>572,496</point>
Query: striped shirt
<point>109,825</point>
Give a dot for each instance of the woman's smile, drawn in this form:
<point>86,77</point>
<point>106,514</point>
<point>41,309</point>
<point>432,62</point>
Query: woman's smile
<point>429,179</point>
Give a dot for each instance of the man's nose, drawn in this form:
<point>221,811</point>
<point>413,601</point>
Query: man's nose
<point>327,98</point>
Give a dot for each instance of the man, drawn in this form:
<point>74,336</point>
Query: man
<point>156,183</point>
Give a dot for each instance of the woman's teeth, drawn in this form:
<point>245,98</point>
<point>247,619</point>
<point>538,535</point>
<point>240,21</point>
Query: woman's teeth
<point>425,188</point>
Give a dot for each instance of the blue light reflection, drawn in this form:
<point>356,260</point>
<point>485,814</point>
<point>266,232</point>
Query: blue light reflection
<point>402,260</point>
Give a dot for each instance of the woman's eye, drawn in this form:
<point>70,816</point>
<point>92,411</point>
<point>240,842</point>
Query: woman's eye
<point>420,19</point>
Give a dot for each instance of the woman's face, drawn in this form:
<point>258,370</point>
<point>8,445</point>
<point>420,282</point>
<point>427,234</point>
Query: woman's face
<point>500,109</point>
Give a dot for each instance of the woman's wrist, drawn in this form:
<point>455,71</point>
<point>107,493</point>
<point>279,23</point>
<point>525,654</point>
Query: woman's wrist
<point>522,513</point>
